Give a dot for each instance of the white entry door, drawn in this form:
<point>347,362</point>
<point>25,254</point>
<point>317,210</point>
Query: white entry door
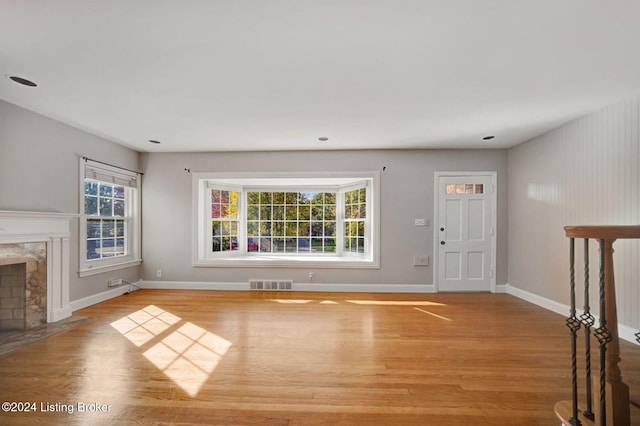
<point>465,232</point>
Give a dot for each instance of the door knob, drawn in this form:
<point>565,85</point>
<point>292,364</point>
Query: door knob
<point>442,229</point>
<point>442,243</point>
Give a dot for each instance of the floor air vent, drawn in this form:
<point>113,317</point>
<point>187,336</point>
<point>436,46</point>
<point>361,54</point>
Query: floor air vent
<point>271,285</point>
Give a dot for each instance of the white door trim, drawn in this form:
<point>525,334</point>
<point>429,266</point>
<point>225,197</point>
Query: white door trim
<point>436,223</point>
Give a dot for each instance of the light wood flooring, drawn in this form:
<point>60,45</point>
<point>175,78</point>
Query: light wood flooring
<point>258,358</point>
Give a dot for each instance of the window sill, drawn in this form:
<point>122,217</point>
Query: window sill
<point>108,268</point>
<point>262,261</point>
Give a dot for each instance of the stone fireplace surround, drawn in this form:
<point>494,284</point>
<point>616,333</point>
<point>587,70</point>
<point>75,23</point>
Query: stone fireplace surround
<point>18,233</point>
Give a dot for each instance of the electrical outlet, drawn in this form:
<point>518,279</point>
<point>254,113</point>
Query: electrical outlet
<point>312,275</point>
<point>159,273</point>
<point>114,282</point>
<point>420,260</point>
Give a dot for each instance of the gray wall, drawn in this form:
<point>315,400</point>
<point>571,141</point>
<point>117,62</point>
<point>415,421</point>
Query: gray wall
<point>406,194</point>
<point>39,172</point>
<point>584,173</point>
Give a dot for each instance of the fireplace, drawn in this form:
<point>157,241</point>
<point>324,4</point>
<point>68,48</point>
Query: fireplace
<point>34,269</point>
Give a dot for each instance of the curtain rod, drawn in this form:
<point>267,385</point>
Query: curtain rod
<point>111,165</point>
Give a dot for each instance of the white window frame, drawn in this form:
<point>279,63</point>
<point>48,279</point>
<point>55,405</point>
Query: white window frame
<point>110,174</point>
<point>337,182</point>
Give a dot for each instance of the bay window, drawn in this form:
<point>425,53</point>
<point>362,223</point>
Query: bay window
<point>287,219</point>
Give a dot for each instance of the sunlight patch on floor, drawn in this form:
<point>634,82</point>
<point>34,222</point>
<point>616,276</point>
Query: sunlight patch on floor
<point>291,301</point>
<point>187,355</point>
<point>432,314</point>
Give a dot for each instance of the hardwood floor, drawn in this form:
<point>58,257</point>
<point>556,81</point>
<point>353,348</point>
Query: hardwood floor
<point>247,358</point>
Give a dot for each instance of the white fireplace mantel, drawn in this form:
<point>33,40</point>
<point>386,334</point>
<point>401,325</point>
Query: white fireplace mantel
<point>53,228</point>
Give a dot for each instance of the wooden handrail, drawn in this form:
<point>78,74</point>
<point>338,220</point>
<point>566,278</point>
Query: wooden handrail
<point>598,232</point>
<point>617,392</point>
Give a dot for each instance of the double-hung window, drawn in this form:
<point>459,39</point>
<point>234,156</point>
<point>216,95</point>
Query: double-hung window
<point>288,219</point>
<point>109,218</point>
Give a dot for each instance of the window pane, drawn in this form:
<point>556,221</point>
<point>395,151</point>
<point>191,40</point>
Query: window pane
<point>120,247</point>
<point>330,213</point>
<point>451,188</point>
<point>291,229</point>
<point>303,244</point>
<point>265,229</point>
<point>277,245</point>
<point>329,229</point>
<point>360,245</point>
<point>106,190</point>
<point>216,244</point>
<point>108,228</point>
<point>305,197</point>
<point>278,229</point>
<point>460,188</point>
<point>469,188</point>
<point>291,212</point>
<point>318,198</point>
<point>348,197</point>
<point>304,213</point>
<point>90,205</point>
<point>479,188</point>
<point>216,226</point>
<point>224,198</point>
<point>253,197</point>
<point>316,229</point>
<point>253,213</point>
<point>278,212</point>
<point>93,247</point>
<point>265,197</point>
<point>265,213</point>
<point>119,228</point>
<point>316,213</point>
<point>118,208</point>
<point>330,245</point>
<point>216,211</point>
<point>215,196</point>
<point>290,245</point>
<point>291,198</point>
<point>303,229</point>
<point>94,228</point>
<point>108,247</point>
<point>330,198</point>
<point>118,191</point>
<point>278,198</point>
<point>317,245</point>
<point>252,228</point>
<point>252,244</point>
<point>265,245</point>
<point>106,207</point>
<point>90,187</point>
<point>363,210</point>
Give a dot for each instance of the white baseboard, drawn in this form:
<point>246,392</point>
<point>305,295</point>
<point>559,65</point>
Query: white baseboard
<point>61,313</point>
<point>501,288</point>
<point>624,332</point>
<point>101,297</point>
<point>328,287</point>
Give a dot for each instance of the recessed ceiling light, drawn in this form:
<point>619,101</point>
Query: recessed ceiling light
<point>22,81</point>
<point>323,139</point>
<point>154,141</point>
<point>488,138</point>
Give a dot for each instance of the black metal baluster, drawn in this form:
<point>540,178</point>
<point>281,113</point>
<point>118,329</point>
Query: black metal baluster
<point>604,336</point>
<point>574,326</point>
<point>638,336</point>
<point>587,320</point>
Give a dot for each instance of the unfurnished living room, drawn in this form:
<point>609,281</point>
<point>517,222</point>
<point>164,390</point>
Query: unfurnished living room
<point>320,212</point>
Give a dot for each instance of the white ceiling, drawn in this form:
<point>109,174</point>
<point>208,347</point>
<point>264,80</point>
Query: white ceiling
<point>220,75</point>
